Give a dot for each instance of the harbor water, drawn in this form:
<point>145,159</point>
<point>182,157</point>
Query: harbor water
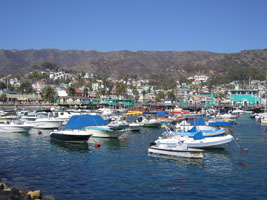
<point>122,169</point>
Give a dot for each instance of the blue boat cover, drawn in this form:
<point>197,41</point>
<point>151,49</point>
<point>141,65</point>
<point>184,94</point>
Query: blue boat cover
<point>155,113</point>
<point>81,121</point>
<point>220,123</point>
<point>198,122</point>
<point>198,136</point>
<point>194,129</point>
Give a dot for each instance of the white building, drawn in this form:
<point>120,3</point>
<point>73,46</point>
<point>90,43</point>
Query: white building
<point>200,78</point>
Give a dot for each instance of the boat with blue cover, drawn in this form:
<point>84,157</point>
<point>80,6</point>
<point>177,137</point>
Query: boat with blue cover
<point>191,128</point>
<point>197,141</point>
<point>206,133</point>
<point>73,132</point>
<point>95,125</point>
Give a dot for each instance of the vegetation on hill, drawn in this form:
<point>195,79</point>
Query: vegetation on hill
<point>170,65</point>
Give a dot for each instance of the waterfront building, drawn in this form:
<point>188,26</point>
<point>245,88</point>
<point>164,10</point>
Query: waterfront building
<point>207,98</point>
<point>243,97</point>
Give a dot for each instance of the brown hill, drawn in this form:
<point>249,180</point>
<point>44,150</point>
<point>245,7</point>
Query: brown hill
<point>140,63</point>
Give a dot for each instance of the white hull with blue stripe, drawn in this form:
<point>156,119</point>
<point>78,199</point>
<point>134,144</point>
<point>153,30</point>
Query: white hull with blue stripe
<point>204,142</point>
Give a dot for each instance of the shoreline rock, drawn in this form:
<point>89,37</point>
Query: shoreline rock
<point>13,193</point>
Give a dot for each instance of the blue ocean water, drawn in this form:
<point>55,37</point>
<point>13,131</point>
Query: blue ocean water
<point>122,169</point>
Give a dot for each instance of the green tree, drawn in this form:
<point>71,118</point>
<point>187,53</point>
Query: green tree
<point>121,89</point>
<point>136,94</point>
<point>2,85</point>
<point>49,94</point>
<point>80,81</point>
<point>26,88</point>
<point>159,96</point>
<point>50,66</point>
<point>71,91</point>
<point>144,94</point>
<point>171,95</point>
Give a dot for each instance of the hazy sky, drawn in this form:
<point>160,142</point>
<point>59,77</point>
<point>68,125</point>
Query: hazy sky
<point>223,26</point>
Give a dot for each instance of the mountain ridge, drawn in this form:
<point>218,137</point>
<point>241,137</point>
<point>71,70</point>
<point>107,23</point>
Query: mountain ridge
<point>136,63</point>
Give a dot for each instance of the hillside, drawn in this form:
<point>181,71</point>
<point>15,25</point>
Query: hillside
<point>141,63</point>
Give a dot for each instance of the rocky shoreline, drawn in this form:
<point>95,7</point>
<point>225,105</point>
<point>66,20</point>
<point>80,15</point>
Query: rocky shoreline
<point>7,193</point>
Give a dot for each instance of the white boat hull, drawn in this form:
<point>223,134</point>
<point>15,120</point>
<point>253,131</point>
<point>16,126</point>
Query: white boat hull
<point>187,153</point>
<point>207,142</point>
<point>104,132</point>
<point>6,128</point>
<point>53,124</point>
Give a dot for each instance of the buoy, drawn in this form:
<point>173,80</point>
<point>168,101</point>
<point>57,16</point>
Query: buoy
<point>148,131</point>
<point>39,132</point>
<point>245,149</point>
<point>237,139</point>
<point>97,145</point>
<point>125,138</point>
<point>244,164</point>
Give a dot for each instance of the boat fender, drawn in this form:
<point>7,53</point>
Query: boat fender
<point>97,145</point>
<point>152,143</point>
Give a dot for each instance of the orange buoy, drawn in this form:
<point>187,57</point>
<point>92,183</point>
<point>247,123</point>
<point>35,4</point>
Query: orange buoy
<point>39,132</point>
<point>97,145</point>
<point>125,138</point>
<point>244,164</point>
<point>245,149</point>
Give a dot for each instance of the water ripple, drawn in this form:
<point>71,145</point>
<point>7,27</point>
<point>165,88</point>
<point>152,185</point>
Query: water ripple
<point>122,169</point>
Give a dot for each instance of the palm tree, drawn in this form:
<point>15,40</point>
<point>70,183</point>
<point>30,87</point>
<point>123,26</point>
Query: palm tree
<point>49,94</point>
<point>144,94</point>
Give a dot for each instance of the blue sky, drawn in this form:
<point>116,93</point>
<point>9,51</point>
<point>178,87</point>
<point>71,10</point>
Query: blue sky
<point>222,26</point>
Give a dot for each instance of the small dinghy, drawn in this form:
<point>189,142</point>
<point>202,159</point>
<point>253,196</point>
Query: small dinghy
<point>177,150</point>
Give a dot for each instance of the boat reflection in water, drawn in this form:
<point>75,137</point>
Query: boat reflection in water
<point>180,160</point>
<point>14,135</point>
<point>110,143</point>
<point>66,146</point>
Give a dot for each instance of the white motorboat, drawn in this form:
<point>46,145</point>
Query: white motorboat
<point>71,135</point>
<point>8,116</point>
<point>118,123</point>
<point>185,125</point>
<point>177,150</point>
<point>104,131</point>
<point>227,116</point>
<point>46,122</point>
<point>15,126</point>
<point>147,122</point>
<point>197,141</point>
<point>27,115</point>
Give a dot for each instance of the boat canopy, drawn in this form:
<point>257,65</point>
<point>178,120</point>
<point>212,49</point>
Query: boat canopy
<point>81,121</point>
<point>220,123</point>
<point>198,136</point>
<point>198,122</point>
